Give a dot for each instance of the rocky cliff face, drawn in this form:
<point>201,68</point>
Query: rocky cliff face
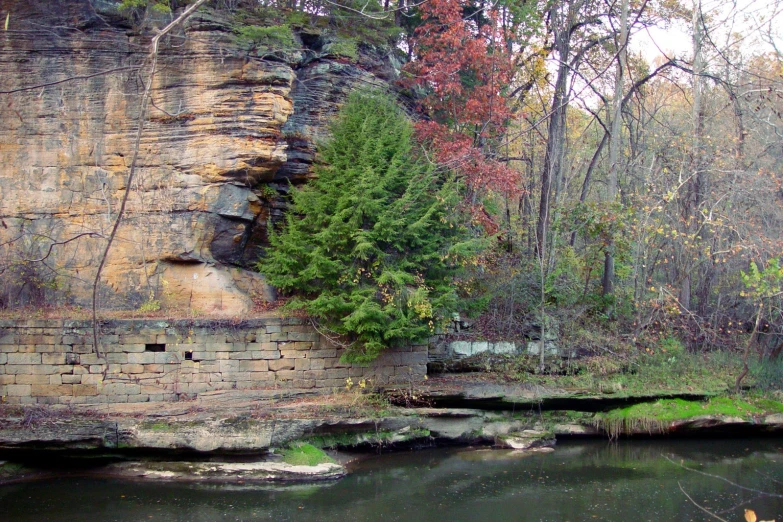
<point>226,131</point>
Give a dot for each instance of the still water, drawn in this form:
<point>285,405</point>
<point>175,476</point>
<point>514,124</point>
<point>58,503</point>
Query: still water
<point>580,481</point>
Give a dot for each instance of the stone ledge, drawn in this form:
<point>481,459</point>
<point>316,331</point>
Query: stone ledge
<point>226,471</point>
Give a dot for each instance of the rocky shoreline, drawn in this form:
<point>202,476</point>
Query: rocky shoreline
<point>233,435</point>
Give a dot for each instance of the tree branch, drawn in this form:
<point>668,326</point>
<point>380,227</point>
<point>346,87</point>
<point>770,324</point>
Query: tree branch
<point>710,513</point>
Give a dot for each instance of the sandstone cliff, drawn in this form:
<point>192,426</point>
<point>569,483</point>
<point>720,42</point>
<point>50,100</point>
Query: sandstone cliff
<point>227,130</point>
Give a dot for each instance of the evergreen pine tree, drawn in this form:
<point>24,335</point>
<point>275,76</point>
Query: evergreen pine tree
<point>371,245</point>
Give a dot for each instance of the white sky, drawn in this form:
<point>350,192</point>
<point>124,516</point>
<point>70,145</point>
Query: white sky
<point>747,18</point>
<point>654,42</point>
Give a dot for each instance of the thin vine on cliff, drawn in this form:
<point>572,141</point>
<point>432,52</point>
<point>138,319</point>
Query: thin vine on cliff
<point>153,58</point>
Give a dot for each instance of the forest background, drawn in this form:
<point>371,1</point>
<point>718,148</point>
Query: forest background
<point>628,203</point>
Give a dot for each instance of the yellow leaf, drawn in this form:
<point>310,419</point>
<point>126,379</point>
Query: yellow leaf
<point>7,19</point>
<point>750,515</point>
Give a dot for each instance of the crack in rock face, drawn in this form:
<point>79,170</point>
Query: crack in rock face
<point>222,124</point>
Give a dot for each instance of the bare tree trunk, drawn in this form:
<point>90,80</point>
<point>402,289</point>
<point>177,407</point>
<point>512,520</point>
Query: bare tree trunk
<point>607,283</point>
<point>695,187</point>
<point>525,205</point>
<point>561,14</point>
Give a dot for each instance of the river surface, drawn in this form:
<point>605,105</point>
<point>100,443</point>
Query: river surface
<point>629,481</point>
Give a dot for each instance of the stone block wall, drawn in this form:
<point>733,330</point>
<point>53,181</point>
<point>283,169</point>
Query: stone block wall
<point>446,354</point>
<point>53,361</point>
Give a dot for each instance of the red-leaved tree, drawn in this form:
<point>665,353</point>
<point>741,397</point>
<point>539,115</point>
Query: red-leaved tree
<point>462,65</point>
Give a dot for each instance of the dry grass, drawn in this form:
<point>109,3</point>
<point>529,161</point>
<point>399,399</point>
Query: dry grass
<point>80,313</point>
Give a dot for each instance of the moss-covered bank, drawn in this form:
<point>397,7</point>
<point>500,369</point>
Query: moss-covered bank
<point>668,415</point>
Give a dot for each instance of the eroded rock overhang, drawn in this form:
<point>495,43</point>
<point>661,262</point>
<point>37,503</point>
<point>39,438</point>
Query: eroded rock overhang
<point>227,130</point>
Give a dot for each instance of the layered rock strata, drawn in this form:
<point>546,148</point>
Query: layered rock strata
<point>223,122</point>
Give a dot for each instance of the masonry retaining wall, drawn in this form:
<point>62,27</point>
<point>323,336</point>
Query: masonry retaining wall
<point>53,361</point>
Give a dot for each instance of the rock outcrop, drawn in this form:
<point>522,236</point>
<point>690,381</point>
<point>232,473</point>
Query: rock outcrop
<point>225,471</point>
<point>223,124</point>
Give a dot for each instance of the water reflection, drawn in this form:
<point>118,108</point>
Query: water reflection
<point>628,481</point>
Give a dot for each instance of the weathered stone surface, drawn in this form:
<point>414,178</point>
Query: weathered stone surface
<point>507,348</point>
<point>281,364</point>
<point>58,434</point>
<point>462,348</point>
<point>219,126</point>
<point>526,440</point>
<point>181,359</point>
<point>550,348</point>
<point>213,435</point>
<point>226,471</point>
<point>576,429</point>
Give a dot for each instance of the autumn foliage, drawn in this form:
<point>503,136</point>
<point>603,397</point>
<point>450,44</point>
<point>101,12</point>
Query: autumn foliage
<point>464,69</point>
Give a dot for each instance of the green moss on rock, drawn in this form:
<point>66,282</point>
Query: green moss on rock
<point>304,454</point>
<point>656,417</point>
